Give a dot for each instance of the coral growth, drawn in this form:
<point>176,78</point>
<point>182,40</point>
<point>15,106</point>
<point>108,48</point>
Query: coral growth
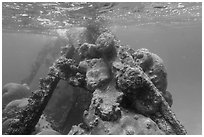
<point>97,72</point>
<point>11,111</point>
<point>12,91</point>
<point>12,108</point>
<point>128,91</point>
<point>153,66</point>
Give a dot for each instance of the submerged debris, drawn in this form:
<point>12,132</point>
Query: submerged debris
<point>128,88</point>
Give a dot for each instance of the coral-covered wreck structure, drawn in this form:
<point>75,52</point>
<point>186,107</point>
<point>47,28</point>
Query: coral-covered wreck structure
<point>128,90</point>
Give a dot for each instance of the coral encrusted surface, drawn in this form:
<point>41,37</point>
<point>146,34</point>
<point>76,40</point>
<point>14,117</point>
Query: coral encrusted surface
<point>128,90</point>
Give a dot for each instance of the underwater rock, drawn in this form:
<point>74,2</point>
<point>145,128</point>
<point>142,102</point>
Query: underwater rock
<point>88,51</point>
<point>135,124</point>
<point>145,84</point>
<point>6,124</point>
<point>97,72</point>
<point>132,79</point>
<point>129,124</point>
<point>106,117</point>
<point>145,103</point>
<point>11,110</point>
<point>29,116</point>
<point>132,82</point>
<point>163,124</point>
<point>129,91</point>
<point>104,105</point>
<point>42,125</point>
<point>77,130</point>
<point>48,132</point>
<point>13,91</point>
<point>153,66</point>
<point>104,47</point>
<point>125,57</point>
